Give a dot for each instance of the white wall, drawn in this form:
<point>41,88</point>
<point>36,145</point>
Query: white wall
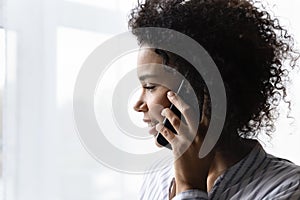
<point>285,141</point>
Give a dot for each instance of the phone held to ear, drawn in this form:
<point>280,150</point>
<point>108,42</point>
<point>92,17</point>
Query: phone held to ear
<point>160,138</point>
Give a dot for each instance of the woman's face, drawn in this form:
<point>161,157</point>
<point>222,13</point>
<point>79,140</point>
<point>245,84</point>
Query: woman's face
<point>156,82</point>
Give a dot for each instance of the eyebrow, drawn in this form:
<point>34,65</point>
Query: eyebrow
<point>143,77</point>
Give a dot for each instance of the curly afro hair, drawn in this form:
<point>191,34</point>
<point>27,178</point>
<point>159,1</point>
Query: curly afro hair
<point>248,46</point>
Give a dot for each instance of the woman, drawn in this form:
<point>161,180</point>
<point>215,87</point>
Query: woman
<point>249,48</point>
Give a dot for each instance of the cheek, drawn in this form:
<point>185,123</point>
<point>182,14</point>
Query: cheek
<point>157,103</point>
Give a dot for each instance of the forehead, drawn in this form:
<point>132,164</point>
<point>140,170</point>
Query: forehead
<point>149,64</point>
<point>147,55</point>
<point>150,68</point>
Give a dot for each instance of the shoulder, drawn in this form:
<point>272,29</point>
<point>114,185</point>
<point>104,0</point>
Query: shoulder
<point>276,178</point>
<point>281,179</point>
<point>261,176</point>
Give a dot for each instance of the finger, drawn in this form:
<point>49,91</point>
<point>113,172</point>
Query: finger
<point>168,135</point>
<point>175,121</point>
<point>184,108</point>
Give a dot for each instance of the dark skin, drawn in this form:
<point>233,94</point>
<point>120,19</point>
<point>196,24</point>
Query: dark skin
<point>191,172</point>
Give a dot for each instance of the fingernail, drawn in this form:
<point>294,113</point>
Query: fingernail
<point>163,113</point>
<point>159,127</point>
<point>170,94</point>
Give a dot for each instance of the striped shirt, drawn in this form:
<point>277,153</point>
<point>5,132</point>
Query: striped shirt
<point>257,176</point>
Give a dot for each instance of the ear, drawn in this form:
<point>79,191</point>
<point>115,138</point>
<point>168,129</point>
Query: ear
<point>206,110</point>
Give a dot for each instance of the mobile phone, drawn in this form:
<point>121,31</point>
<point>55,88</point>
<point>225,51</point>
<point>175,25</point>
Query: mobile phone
<point>160,138</point>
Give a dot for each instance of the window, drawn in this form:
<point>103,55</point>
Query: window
<point>2,74</point>
<point>45,44</point>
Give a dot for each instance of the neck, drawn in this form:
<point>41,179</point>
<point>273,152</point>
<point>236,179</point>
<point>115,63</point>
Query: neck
<point>224,159</point>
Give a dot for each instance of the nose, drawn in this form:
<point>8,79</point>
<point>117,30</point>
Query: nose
<point>140,106</point>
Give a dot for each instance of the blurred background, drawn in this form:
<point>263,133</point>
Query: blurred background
<point>43,44</point>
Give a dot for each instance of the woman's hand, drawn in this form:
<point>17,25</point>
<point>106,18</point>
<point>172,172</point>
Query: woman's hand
<point>190,171</point>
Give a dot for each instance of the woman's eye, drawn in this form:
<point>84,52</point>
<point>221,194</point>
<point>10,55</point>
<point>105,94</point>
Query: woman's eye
<point>150,88</point>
